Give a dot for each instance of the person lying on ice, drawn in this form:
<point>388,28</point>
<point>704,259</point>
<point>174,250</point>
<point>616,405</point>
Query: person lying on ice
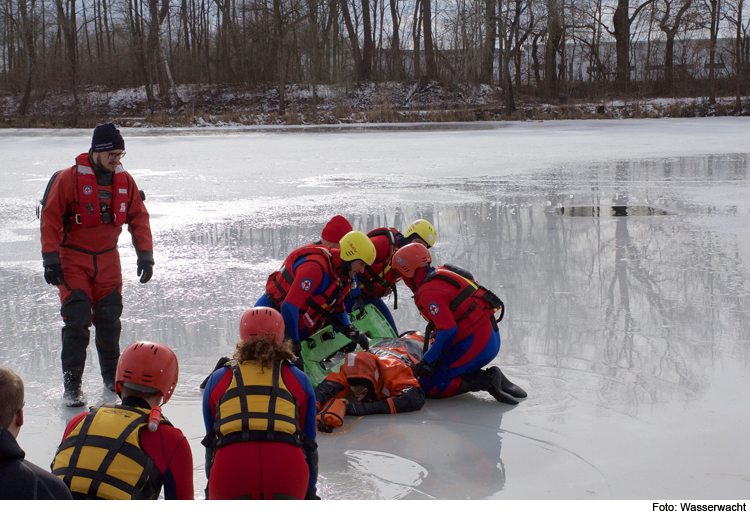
<point>462,314</point>
<point>310,288</point>
<point>381,380</point>
<point>378,279</point>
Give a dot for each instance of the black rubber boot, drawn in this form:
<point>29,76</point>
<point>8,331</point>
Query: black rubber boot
<point>74,398</point>
<point>76,313</point>
<point>510,387</point>
<point>485,380</point>
<point>496,389</point>
<point>106,319</point>
<point>474,382</point>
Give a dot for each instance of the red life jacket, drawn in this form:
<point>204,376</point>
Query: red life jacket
<point>378,279</point>
<point>471,303</point>
<point>321,306</point>
<point>88,195</point>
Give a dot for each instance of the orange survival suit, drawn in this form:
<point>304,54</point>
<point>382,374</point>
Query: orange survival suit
<point>387,371</point>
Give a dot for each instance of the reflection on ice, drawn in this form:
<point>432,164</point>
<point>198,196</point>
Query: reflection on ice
<point>629,332</point>
<point>390,476</point>
<point>612,210</point>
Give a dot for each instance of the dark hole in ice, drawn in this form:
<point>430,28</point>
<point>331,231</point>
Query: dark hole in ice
<point>611,210</point>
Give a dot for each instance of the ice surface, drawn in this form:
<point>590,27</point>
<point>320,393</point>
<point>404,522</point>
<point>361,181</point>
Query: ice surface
<point>630,334</point>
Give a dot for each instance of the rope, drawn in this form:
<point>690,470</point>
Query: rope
<point>345,430</point>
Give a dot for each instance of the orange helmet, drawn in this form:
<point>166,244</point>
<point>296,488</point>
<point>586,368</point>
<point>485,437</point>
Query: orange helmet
<point>262,323</point>
<point>410,257</point>
<point>145,365</point>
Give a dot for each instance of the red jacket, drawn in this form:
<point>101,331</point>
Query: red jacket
<point>58,222</point>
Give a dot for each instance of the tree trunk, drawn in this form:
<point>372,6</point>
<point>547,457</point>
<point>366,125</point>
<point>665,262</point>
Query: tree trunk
<point>367,46</point>
<point>353,40</point>
<point>27,37</point>
<point>621,22</point>
<point>397,64</point>
<point>490,24</point>
<point>554,37</point>
<point>66,19</point>
<point>416,33</point>
<point>280,63</point>
<point>739,63</point>
<point>713,36</point>
<point>430,63</point>
<point>670,32</point>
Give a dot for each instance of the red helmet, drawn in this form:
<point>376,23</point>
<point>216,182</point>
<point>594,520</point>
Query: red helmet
<point>262,323</point>
<point>145,364</point>
<point>410,257</point>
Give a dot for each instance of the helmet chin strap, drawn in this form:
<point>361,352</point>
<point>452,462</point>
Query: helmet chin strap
<point>346,267</point>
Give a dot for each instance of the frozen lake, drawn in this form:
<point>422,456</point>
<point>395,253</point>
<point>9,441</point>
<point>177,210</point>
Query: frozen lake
<point>630,333</point>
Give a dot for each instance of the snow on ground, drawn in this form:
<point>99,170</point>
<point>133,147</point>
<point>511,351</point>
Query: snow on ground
<point>629,333</point>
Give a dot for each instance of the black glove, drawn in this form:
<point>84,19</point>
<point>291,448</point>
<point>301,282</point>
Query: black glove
<point>297,349</point>
<point>359,304</point>
<point>219,364</point>
<point>361,339</point>
<point>53,274</point>
<point>145,270</point>
<point>355,335</point>
<point>423,370</point>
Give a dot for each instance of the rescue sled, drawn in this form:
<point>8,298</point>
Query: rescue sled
<point>323,352</point>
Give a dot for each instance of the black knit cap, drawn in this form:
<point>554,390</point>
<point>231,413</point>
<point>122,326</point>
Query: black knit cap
<point>107,137</point>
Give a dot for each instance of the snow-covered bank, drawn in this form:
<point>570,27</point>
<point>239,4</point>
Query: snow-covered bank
<point>220,105</point>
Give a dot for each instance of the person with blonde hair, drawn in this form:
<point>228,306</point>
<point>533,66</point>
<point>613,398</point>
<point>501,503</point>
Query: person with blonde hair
<point>259,411</point>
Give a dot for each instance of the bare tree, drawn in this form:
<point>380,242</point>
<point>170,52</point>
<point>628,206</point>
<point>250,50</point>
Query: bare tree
<point>733,13</point>
<point>670,30</point>
<point>490,24</point>
<point>714,10</point>
<point>66,21</point>
<point>552,48</point>
<point>517,24</point>
<point>430,62</point>
<point>622,22</point>
<point>27,36</point>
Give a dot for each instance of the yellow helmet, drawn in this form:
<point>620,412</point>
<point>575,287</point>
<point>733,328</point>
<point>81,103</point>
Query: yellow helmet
<point>424,230</point>
<point>355,245</point>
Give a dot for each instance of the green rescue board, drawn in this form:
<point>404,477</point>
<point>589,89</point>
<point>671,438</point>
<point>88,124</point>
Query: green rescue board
<point>321,352</point>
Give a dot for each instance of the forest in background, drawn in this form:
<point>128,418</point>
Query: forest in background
<point>73,62</point>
